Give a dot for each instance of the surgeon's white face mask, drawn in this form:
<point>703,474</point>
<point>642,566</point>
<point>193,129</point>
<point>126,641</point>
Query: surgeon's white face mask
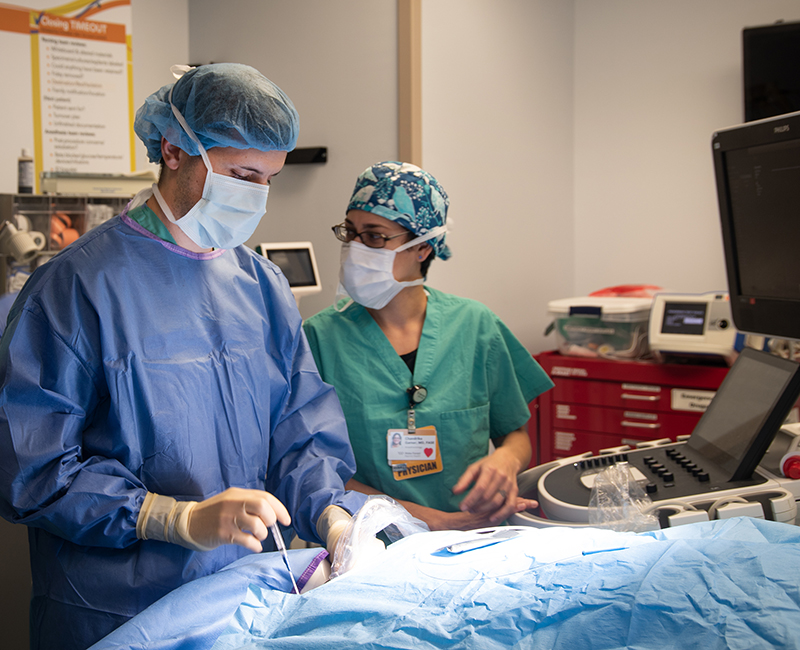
<point>367,274</point>
<point>229,210</point>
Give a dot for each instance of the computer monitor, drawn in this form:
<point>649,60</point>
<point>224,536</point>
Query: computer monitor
<point>757,167</point>
<point>771,74</point>
<point>747,411</point>
<point>298,263</point>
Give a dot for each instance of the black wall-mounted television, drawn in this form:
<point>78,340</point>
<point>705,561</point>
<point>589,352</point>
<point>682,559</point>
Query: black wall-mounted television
<point>771,70</point>
<point>757,167</point>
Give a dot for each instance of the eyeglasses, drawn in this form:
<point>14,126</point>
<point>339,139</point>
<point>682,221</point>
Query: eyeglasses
<point>371,239</point>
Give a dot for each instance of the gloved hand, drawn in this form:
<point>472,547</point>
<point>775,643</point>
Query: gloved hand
<point>330,526</point>
<point>347,546</point>
<point>235,516</point>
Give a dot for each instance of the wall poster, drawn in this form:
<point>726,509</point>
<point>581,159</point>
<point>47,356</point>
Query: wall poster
<point>71,70</point>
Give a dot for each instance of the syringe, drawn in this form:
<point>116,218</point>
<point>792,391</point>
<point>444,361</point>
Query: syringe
<point>276,535</point>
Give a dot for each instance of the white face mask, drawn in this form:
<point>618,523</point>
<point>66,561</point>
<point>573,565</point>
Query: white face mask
<point>229,210</point>
<point>367,274</point>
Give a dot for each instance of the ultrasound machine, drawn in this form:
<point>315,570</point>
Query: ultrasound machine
<point>741,459</point>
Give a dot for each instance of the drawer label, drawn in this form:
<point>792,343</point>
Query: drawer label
<point>697,401</point>
<point>642,388</point>
<point>563,440</point>
<point>636,415</point>
<point>563,412</point>
<point>564,371</point>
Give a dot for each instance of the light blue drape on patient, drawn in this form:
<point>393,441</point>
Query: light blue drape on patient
<point>726,584</point>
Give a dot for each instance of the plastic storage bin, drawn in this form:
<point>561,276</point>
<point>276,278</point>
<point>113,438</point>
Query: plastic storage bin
<point>606,327</point>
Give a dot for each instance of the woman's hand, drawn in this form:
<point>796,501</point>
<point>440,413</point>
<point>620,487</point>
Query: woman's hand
<point>494,493</point>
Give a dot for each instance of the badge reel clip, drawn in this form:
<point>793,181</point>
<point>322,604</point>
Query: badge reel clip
<point>416,395</point>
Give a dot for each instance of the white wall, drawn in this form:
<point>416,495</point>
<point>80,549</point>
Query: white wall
<point>572,137</point>
<point>497,98</point>
<point>337,61</point>
<point>160,40</point>
<point>653,80</point>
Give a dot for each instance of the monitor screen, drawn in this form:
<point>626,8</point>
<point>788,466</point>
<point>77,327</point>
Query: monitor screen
<point>747,411</point>
<point>295,264</point>
<point>684,318</point>
<point>757,167</point>
<point>771,75</point>
<point>298,263</point>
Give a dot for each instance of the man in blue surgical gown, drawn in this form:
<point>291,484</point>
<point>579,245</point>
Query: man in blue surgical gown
<point>159,405</point>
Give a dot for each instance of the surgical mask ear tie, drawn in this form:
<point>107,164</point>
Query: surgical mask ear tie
<point>431,234</point>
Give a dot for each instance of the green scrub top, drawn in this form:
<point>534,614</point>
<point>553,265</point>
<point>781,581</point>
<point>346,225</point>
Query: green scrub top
<point>146,218</point>
<point>479,378</point>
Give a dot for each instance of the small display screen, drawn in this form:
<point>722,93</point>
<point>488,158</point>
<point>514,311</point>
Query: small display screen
<point>684,318</point>
<point>295,264</point>
<point>742,419</point>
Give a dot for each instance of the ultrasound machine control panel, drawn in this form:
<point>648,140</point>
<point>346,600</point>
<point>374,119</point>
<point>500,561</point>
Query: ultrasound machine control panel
<point>729,466</point>
<point>671,474</point>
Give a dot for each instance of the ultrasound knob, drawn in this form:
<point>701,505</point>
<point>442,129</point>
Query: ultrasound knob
<point>650,488</point>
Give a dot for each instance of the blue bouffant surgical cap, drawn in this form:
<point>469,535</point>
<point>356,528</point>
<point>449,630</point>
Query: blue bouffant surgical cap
<point>406,194</point>
<point>226,105</point>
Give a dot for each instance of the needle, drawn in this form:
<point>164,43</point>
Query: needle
<point>276,535</point>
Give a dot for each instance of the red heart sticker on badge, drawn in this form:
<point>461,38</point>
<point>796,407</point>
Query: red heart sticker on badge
<point>428,452</point>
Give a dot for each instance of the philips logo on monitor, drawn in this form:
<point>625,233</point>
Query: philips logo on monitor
<point>781,129</point>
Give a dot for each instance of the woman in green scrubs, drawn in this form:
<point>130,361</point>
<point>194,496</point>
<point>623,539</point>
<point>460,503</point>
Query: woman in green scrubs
<point>426,379</point>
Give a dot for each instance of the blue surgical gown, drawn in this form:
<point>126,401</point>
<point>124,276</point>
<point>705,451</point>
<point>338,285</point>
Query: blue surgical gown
<point>131,365</point>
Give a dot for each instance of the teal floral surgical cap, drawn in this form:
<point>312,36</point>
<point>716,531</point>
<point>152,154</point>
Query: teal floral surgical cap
<point>404,193</point>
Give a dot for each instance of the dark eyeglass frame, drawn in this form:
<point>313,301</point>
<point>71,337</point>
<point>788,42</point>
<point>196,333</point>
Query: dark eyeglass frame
<point>375,240</point>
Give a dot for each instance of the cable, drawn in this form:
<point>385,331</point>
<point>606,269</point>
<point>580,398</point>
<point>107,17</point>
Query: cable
<point>723,502</point>
<point>681,505</point>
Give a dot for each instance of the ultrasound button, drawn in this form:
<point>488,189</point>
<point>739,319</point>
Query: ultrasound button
<point>703,477</point>
<point>668,477</point>
<point>649,460</point>
<point>697,471</point>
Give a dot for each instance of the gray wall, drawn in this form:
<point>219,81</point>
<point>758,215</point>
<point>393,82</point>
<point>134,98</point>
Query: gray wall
<point>497,131</point>
<point>337,61</point>
<point>653,80</point>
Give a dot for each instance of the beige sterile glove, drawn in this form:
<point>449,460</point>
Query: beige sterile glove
<point>235,516</point>
<point>331,525</point>
<point>348,542</point>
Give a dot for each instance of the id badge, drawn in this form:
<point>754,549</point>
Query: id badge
<point>413,454</point>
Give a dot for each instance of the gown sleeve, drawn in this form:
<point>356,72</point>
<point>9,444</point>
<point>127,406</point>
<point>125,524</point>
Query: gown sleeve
<point>311,458</point>
<point>47,479</point>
